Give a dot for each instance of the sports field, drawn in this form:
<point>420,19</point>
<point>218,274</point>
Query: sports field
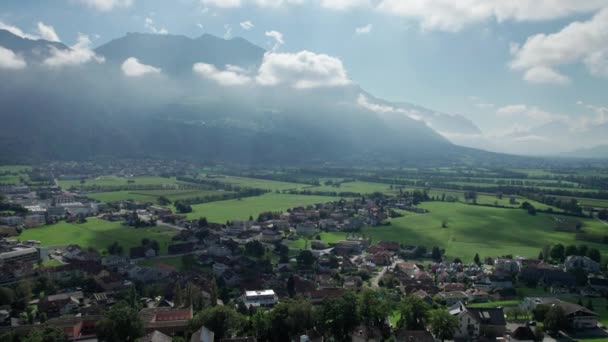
<point>99,234</point>
<point>241,209</point>
<point>484,230</point>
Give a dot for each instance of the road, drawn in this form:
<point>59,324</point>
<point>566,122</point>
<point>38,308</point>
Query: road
<point>161,223</point>
<point>376,279</point>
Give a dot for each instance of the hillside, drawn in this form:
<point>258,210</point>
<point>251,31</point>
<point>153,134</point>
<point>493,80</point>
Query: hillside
<point>98,111</point>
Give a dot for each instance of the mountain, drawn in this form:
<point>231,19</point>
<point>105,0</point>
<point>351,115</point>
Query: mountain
<point>596,152</point>
<point>33,50</point>
<point>177,54</point>
<point>94,110</point>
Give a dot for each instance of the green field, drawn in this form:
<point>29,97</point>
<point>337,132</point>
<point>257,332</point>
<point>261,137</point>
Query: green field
<point>484,230</point>
<point>15,168</point>
<point>259,183</point>
<point>150,195</point>
<point>358,187</point>
<point>99,234</point>
<point>241,209</point>
<point>328,237</point>
<point>118,181</point>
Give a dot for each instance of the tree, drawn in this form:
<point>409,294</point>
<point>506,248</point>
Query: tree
<point>115,249</point>
<point>583,249</point>
<point>436,253</point>
<point>373,309</point>
<point>178,295</point>
<point>291,286</point>
<point>122,323</point>
<point>213,292</point>
<point>603,215</point>
<point>413,311</point>
<point>442,324</point>
<point>589,304</point>
<point>255,249</point>
<point>476,259</point>
<point>594,254</point>
<point>290,318</point>
<point>571,250</point>
<point>7,296</point>
<point>305,258</point>
<point>540,312</point>
<point>23,294</point>
<point>202,222</point>
<point>183,208</point>
<point>46,333</point>
<point>558,252</point>
<point>224,321</point>
<point>162,200</point>
<point>339,316</point>
<point>555,319</point>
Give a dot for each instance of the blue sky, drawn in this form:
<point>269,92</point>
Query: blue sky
<point>456,58</point>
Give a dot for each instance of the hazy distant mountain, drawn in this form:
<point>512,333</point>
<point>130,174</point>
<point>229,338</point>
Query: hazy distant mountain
<point>597,152</point>
<point>177,54</point>
<point>94,110</point>
<point>33,50</point>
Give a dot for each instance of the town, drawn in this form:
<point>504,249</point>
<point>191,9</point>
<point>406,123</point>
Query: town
<point>308,273</point>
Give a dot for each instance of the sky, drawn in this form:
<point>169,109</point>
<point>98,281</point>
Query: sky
<point>509,66</point>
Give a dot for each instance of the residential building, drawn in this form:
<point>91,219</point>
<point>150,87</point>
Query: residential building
<point>261,298</point>
<point>575,262</point>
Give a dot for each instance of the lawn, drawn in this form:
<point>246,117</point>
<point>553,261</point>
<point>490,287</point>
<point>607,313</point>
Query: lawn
<point>328,237</point>
<point>476,229</point>
<point>150,195</point>
<point>503,303</point>
<point>118,181</point>
<point>99,234</point>
<point>241,209</point>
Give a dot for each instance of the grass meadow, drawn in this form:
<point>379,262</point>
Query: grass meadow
<point>241,209</point>
<point>99,234</point>
<point>476,229</point>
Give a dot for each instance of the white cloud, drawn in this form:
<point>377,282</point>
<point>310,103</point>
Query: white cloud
<point>364,29</point>
<point>579,42</point>
<point>79,53</point>
<point>453,15</point>
<point>277,37</point>
<point>222,3</point>
<point>149,24</point>
<point>10,60</point>
<point>107,5</point>
<point>227,31</point>
<point>247,25</point>
<point>364,102</point>
<point>600,115</point>
<point>302,70</point>
<point>231,76</point>
<point>543,74</point>
<point>341,5</point>
<point>528,115</point>
<point>132,67</point>
<point>17,31</point>
<point>47,32</point>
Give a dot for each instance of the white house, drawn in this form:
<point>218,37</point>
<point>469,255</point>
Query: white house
<point>261,298</point>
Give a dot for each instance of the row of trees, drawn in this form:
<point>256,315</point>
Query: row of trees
<point>559,253</point>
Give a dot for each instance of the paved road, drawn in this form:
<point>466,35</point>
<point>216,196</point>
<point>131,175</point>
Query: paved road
<point>376,279</point>
<point>161,223</point>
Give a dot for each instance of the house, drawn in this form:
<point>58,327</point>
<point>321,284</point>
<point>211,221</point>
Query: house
<point>598,284</point>
<point>413,336</point>
<point>352,282</point>
<point>137,252</point>
<point>11,220</point>
<point>579,317</point>
<point>389,246</point>
<point>530,303</point>
<point>219,251</point>
<point>203,335</point>
<point>509,266</point>
<point>475,323</point>
<point>181,248</point>
<point>347,247</point>
<point>156,336</point>
<point>547,275</point>
<point>381,258</point>
<point>169,321</point>
<point>20,255</point>
<point>318,244</point>
<point>575,262</point>
<point>306,229</point>
<point>451,298</point>
<point>424,296</point>
<point>270,236</point>
<point>61,304</point>
<point>265,298</point>
<point>76,328</point>
<point>523,333</point>
<point>219,268</point>
<point>35,220</point>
